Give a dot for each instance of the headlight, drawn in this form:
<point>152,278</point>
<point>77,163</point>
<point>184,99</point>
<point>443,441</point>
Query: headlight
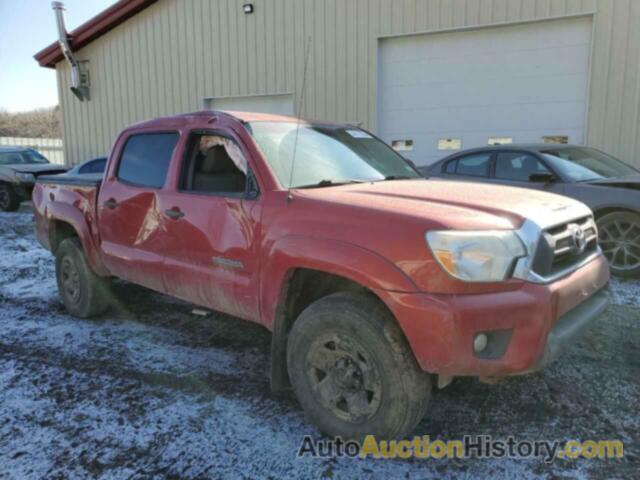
<point>25,177</point>
<point>480,256</point>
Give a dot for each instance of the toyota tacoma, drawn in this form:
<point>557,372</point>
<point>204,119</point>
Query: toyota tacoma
<point>377,284</point>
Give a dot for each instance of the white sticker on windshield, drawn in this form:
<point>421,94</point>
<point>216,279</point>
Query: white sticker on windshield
<point>358,134</point>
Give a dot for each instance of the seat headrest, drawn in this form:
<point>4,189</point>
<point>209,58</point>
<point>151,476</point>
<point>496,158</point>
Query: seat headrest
<point>217,160</point>
<point>530,164</point>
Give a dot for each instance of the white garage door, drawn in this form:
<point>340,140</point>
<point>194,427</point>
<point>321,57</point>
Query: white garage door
<point>277,104</point>
<point>522,83</point>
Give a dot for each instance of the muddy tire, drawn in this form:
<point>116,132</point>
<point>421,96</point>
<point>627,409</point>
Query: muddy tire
<point>619,238</point>
<point>9,200</point>
<point>83,293</point>
<point>353,371</point>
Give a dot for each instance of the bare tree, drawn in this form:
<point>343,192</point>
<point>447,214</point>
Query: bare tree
<point>41,123</point>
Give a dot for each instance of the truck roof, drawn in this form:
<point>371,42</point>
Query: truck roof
<point>173,120</point>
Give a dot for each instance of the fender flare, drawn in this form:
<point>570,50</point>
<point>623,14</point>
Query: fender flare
<point>334,257</point>
<point>67,213</point>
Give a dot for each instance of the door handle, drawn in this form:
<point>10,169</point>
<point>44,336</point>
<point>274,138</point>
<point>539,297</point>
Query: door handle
<point>111,203</point>
<point>174,213</point>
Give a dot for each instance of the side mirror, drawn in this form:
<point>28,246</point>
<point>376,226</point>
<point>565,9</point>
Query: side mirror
<point>542,177</point>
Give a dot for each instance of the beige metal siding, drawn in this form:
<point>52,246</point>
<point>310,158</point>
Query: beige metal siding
<point>172,55</point>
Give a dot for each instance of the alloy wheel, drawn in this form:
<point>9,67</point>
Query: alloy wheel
<point>620,243</point>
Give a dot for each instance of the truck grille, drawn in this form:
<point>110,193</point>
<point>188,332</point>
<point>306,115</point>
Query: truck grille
<point>566,245</point>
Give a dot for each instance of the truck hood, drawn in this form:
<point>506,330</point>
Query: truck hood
<point>37,168</point>
<point>463,205</point>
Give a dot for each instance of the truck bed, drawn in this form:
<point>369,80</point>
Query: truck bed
<point>77,179</point>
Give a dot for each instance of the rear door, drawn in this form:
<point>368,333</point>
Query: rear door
<point>473,167</point>
<point>132,224</point>
<point>213,223</point>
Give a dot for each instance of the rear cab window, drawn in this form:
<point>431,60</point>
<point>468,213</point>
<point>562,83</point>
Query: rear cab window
<point>145,159</point>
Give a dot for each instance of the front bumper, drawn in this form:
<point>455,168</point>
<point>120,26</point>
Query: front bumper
<point>536,321</point>
<point>571,326</point>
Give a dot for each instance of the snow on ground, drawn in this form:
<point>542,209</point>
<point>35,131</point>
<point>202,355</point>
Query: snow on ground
<point>151,391</point>
<point>625,292</point>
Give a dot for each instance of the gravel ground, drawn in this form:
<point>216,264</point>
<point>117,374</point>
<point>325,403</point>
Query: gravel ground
<point>152,391</point>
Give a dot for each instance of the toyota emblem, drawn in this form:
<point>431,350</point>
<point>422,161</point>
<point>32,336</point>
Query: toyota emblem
<point>579,239</point>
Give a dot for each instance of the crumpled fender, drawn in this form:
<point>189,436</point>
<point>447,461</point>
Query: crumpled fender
<point>335,257</point>
<point>68,213</point>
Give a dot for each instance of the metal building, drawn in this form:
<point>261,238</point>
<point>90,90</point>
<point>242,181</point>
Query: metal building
<point>426,75</point>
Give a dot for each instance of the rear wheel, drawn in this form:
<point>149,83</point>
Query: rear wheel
<point>83,292</point>
<point>352,370</point>
<point>619,238</point>
<point>9,200</point>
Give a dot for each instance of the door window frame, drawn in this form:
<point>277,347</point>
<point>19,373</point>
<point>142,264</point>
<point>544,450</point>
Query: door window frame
<point>125,141</point>
<point>182,167</point>
<point>494,159</point>
<point>465,155</point>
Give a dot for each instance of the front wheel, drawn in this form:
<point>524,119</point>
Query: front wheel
<point>619,238</point>
<point>83,293</point>
<point>353,371</point>
<point>9,200</point>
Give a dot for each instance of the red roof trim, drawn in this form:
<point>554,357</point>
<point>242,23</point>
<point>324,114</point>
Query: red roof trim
<point>94,28</point>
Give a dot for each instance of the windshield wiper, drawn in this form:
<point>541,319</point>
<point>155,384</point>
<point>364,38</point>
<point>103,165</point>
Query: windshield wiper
<point>330,183</point>
<point>399,177</point>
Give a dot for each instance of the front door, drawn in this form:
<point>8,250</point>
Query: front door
<point>213,228</point>
<point>515,168</point>
<point>130,217</point>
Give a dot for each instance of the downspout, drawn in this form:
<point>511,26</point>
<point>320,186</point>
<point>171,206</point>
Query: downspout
<point>79,90</point>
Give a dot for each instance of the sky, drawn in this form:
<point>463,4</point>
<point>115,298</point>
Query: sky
<point>26,27</point>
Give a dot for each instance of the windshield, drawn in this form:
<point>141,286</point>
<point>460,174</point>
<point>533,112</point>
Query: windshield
<point>21,157</point>
<point>327,155</point>
<point>583,164</point>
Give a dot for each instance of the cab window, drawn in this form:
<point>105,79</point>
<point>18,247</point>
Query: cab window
<point>145,159</point>
<point>214,164</point>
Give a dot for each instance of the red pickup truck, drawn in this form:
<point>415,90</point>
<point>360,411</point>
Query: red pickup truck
<point>374,281</point>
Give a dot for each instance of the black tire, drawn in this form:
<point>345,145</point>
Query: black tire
<point>9,199</point>
<point>362,348</point>
<point>83,293</point>
<point>619,238</point>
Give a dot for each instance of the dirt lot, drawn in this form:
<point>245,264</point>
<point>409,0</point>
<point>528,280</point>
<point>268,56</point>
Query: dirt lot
<point>151,390</point>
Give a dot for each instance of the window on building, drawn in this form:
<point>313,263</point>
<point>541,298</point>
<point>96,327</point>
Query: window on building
<point>402,145</point>
<point>146,158</point>
<point>449,144</point>
<point>214,164</point>
<point>517,166</point>
<point>500,141</point>
<point>555,139</point>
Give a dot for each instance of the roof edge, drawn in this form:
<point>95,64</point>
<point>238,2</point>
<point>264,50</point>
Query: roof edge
<point>92,29</point>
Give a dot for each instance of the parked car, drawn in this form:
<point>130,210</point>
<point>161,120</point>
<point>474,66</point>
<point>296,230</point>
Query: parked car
<point>608,186</point>
<point>95,165</point>
<point>373,280</point>
<point>19,167</point>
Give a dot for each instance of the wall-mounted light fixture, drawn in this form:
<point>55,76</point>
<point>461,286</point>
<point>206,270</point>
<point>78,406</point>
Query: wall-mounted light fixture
<point>247,8</point>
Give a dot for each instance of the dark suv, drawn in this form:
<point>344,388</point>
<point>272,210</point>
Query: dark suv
<point>19,168</point>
